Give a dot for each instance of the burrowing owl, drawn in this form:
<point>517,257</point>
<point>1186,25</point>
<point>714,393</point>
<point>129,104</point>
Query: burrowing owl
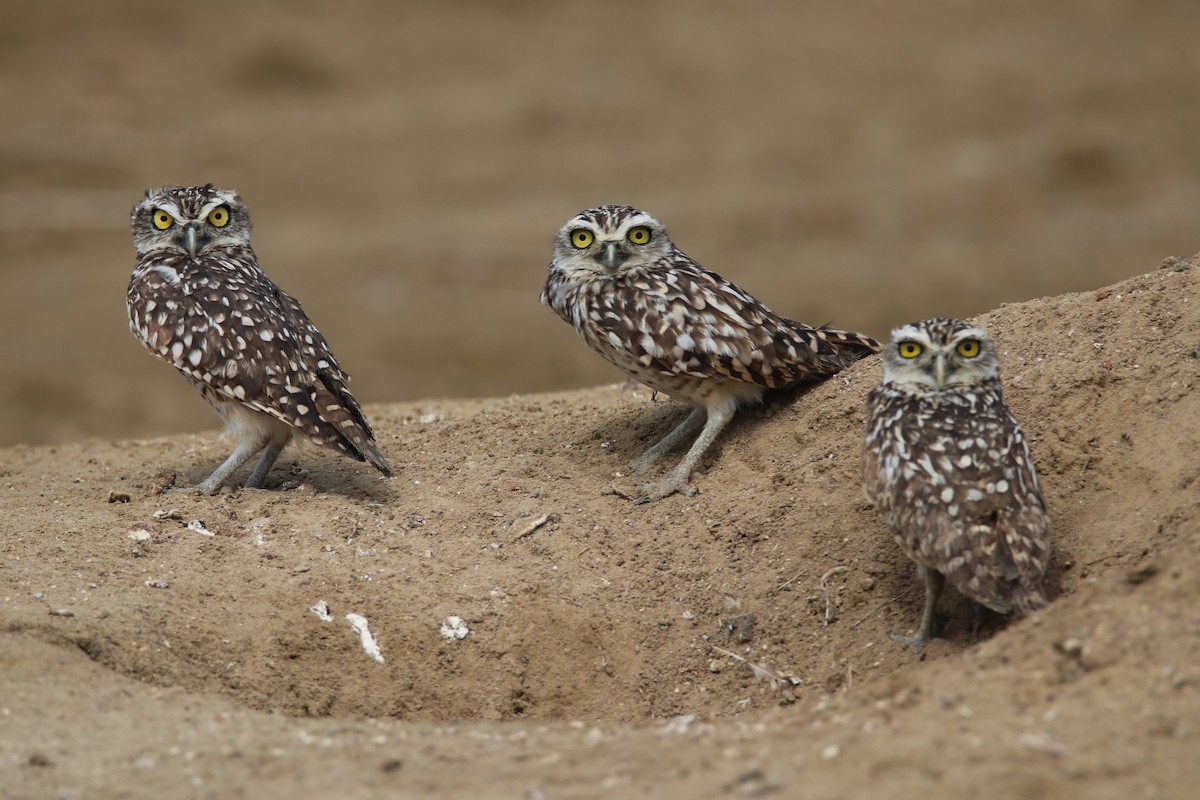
<point>651,310</point>
<point>199,301</point>
<point>946,464</point>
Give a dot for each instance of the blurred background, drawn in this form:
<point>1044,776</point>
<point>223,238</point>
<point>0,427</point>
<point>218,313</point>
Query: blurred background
<point>407,165</point>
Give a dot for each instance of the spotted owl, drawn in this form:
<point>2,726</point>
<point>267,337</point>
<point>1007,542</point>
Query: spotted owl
<point>644,305</point>
<point>198,300</point>
<point>946,464</point>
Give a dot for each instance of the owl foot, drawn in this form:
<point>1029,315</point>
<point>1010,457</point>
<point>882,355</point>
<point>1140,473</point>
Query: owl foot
<point>917,641</point>
<point>934,582</point>
<point>200,490</point>
<point>657,491</point>
<point>195,490</point>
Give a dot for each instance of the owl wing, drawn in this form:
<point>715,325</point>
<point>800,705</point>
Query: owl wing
<point>687,320</point>
<point>230,328</point>
<point>965,500</point>
<point>337,409</point>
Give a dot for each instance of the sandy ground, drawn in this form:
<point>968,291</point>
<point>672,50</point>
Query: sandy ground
<point>610,645</point>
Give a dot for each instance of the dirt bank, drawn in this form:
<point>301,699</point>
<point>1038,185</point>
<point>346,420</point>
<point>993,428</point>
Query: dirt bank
<point>143,658</point>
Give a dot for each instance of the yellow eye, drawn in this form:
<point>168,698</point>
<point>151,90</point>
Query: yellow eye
<point>909,349</point>
<point>639,235</point>
<point>162,220</point>
<point>219,216</point>
<point>968,348</point>
<point>582,238</point>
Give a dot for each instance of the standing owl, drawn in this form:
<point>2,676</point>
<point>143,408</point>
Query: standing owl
<point>644,305</point>
<point>946,464</point>
<point>199,301</point>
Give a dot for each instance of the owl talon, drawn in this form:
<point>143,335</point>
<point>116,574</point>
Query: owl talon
<point>916,642</point>
<point>657,491</point>
<point>200,490</point>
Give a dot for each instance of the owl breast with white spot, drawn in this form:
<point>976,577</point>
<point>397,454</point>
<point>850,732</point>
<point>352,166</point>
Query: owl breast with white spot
<point>947,465</point>
<point>198,300</point>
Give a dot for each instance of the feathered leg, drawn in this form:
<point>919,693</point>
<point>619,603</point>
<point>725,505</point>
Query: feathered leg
<point>690,425</point>
<point>718,418</point>
<point>934,581</point>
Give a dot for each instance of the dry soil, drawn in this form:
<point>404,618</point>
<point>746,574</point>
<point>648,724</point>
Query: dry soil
<point>731,644</point>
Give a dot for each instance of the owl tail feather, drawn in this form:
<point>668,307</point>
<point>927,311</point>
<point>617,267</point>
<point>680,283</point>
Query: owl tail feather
<point>849,344</point>
<point>343,426</point>
<point>837,349</point>
<point>1027,599</point>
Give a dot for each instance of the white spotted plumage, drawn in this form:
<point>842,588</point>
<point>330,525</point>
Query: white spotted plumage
<point>198,300</point>
<point>648,308</point>
<point>946,464</point>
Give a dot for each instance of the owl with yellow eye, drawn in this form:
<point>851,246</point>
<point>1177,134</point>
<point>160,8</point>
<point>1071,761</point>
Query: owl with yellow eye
<point>198,300</point>
<point>651,310</point>
<point>946,464</point>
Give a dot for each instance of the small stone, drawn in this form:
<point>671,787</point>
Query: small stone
<point>141,533</point>
<point>455,628</point>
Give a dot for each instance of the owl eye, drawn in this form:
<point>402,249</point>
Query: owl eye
<point>162,220</point>
<point>968,348</point>
<point>219,216</point>
<point>910,349</point>
<point>639,235</point>
<point>582,238</point>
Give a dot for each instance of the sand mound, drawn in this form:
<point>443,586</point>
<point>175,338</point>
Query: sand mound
<point>144,657</point>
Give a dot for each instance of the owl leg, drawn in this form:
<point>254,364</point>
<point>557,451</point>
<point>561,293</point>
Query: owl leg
<point>718,418</point>
<point>246,448</point>
<point>265,462</point>
<point>255,431</point>
<point>934,581</point>
<point>658,452</point>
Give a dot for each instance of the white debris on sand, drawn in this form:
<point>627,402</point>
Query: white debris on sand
<point>321,609</point>
<point>141,533</point>
<point>455,628</point>
<point>359,624</point>
<point>199,527</point>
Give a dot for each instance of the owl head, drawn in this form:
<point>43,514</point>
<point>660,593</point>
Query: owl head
<point>938,355</point>
<point>609,241</point>
<point>189,220</point>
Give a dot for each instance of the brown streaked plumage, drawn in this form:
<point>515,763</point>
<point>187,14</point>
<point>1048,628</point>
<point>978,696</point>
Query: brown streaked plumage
<point>648,308</point>
<point>198,300</point>
<point>946,464</point>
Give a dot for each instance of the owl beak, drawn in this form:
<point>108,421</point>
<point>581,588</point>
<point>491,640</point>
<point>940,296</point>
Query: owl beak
<point>191,240</point>
<point>939,369</point>
<point>612,256</point>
